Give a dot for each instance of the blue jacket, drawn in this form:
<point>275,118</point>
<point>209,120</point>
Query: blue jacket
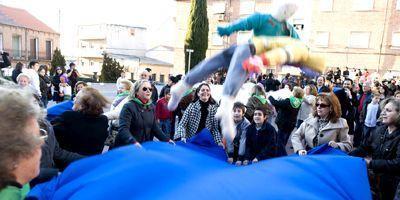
<point>261,144</point>
<point>262,25</point>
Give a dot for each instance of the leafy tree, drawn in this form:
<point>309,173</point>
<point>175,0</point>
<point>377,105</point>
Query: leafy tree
<point>197,34</point>
<point>57,61</point>
<point>110,70</point>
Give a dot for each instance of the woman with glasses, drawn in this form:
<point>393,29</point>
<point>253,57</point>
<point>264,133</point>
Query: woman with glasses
<point>325,126</point>
<point>198,115</point>
<point>381,152</point>
<point>137,121</point>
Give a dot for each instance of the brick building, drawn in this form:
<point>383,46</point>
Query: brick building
<point>25,37</point>
<point>220,12</point>
<point>357,33</point>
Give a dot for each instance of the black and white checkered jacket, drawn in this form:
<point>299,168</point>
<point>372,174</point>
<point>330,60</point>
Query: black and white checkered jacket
<point>190,122</point>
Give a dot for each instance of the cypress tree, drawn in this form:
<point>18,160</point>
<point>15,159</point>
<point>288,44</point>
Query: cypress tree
<point>57,61</point>
<point>110,70</point>
<point>197,34</point>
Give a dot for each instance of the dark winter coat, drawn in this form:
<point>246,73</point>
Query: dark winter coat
<point>271,84</point>
<point>261,144</point>
<point>137,123</point>
<point>54,158</point>
<point>15,74</point>
<point>44,80</point>
<point>384,150</point>
<point>287,114</point>
<point>81,133</point>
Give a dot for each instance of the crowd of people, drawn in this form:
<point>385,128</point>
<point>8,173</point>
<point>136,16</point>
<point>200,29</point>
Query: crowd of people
<point>358,115</point>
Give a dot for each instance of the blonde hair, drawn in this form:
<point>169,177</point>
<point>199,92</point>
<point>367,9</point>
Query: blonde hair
<point>298,92</point>
<point>128,84</point>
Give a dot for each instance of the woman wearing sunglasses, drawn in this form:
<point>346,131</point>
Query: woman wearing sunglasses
<point>325,126</point>
<point>137,122</point>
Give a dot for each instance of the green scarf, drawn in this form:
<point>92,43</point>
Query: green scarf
<point>123,94</point>
<point>261,98</point>
<point>148,104</point>
<point>295,102</point>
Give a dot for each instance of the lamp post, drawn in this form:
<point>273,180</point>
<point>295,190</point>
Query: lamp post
<point>190,51</point>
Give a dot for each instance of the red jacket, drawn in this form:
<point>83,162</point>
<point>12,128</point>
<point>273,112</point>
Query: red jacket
<point>162,112</point>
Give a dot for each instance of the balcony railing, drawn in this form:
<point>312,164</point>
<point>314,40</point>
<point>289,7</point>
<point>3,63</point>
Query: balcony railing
<point>29,55</point>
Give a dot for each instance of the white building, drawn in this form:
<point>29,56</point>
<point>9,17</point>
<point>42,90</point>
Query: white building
<point>95,40</point>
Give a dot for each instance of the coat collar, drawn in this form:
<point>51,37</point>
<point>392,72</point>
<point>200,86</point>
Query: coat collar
<point>314,123</point>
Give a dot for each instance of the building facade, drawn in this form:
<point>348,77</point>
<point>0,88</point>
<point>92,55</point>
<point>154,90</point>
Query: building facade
<point>222,12</point>
<point>359,34</point>
<point>127,44</point>
<point>25,37</point>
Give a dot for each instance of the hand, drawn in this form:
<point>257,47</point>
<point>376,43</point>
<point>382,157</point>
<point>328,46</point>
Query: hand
<point>333,144</point>
<point>253,64</point>
<point>255,160</point>
<point>183,140</point>
<point>137,144</point>
<point>222,31</point>
<point>245,162</point>
<point>302,152</point>
<point>171,142</point>
<point>61,94</point>
<point>230,160</point>
<point>221,145</point>
<point>238,163</point>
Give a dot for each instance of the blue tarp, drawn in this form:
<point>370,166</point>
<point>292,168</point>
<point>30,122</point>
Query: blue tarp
<point>198,170</point>
<point>58,109</point>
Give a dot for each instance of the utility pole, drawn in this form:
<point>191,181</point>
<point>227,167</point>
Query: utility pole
<point>190,51</point>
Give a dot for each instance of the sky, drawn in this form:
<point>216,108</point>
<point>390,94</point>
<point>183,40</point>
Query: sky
<point>65,15</point>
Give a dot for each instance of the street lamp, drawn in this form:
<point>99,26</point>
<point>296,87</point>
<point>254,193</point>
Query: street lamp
<point>190,51</point>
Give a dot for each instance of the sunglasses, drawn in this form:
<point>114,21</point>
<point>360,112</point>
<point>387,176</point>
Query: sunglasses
<point>321,105</point>
<point>146,88</point>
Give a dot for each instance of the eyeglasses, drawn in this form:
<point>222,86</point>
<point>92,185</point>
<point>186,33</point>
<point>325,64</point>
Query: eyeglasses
<point>43,134</point>
<point>146,88</point>
<point>321,105</point>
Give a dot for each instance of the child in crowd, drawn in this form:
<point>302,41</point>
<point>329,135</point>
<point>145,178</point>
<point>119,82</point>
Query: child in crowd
<point>261,139</point>
<point>372,113</point>
<point>65,91</point>
<point>163,115</point>
<point>237,147</point>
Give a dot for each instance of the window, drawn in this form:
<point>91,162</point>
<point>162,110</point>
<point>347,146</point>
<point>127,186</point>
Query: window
<point>91,63</point>
<point>363,5</point>
<point>162,78</point>
<point>218,7</point>
<point>326,5</point>
<point>246,7</point>
<point>398,5</point>
<point>396,40</point>
<point>153,77</point>
<point>34,48</point>
<point>359,39</point>
<point>217,40</point>
<point>49,50</point>
<point>16,46</point>
<point>243,37</point>
<point>322,39</point>
<point>82,63</point>
<point>1,41</point>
